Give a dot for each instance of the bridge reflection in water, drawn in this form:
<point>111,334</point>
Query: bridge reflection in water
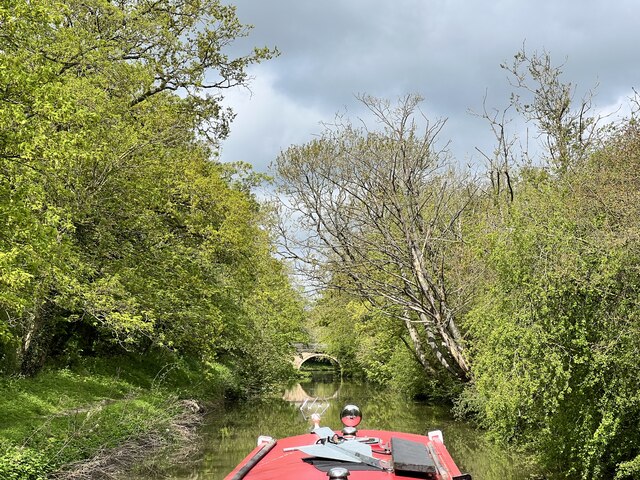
<point>297,395</point>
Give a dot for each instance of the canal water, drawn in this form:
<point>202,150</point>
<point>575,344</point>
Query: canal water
<point>231,433</point>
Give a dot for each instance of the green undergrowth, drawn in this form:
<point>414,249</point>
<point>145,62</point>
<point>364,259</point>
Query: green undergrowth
<point>67,415</point>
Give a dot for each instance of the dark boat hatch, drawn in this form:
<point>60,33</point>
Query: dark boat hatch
<point>412,458</point>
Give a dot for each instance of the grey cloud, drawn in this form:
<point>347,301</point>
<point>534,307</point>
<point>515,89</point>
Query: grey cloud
<point>447,50</point>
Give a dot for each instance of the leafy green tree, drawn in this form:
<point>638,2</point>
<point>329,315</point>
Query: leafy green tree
<point>554,329</point>
<point>118,223</point>
<point>333,321</point>
<point>260,350</point>
<point>375,346</point>
<point>554,333</point>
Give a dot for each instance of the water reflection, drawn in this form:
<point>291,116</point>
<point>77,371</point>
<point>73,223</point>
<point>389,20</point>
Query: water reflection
<point>297,395</point>
<point>231,433</point>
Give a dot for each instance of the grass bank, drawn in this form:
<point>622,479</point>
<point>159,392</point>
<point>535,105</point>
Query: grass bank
<point>50,425</point>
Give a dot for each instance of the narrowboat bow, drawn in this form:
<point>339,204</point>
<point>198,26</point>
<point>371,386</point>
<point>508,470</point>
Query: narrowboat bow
<point>350,454</point>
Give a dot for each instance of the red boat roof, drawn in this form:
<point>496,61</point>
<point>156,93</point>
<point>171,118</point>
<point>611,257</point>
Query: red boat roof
<point>284,461</point>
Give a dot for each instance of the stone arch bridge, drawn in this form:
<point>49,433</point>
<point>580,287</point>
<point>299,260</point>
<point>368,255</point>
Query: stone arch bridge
<point>308,351</point>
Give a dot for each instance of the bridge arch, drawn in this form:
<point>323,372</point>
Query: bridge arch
<point>302,357</point>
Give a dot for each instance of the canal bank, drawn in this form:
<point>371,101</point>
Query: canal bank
<point>101,418</point>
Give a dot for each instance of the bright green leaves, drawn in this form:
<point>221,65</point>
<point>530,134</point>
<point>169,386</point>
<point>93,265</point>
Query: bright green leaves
<point>116,222</point>
<point>554,332</point>
<point>271,320</point>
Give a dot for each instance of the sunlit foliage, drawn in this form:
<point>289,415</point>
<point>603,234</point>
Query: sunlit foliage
<point>120,229</point>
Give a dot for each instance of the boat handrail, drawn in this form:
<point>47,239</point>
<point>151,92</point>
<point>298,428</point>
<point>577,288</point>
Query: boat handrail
<point>253,461</point>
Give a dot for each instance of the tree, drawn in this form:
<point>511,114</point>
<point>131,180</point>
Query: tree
<point>111,113</point>
<point>261,348</point>
<point>380,214</point>
<point>568,131</point>
<point>554,326</point>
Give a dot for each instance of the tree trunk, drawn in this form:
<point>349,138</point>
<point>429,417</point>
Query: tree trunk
<point>453,347</point>
<point>35,344</point>
<point>418,349</point>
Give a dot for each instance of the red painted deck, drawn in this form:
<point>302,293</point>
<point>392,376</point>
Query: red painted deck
<point>283,465</point>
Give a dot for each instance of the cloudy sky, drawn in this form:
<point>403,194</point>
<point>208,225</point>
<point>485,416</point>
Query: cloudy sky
<point>449,51</point>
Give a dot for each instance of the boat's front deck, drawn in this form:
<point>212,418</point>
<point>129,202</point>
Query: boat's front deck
<point>412,456</point>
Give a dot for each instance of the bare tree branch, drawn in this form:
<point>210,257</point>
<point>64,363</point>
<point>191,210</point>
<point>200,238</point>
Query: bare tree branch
<point>374,213</point>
